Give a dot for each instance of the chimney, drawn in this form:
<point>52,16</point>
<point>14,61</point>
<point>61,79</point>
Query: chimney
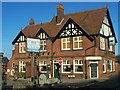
<point>31,22</point>
<point>60,13</point>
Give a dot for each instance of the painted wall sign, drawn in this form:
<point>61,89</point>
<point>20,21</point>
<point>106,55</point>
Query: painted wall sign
<point>33,45</point>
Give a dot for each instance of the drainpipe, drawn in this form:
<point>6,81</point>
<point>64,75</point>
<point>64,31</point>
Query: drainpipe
<point>85,56</point>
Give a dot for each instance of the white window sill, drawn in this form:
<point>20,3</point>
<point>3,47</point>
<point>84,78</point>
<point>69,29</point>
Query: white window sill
<point>22,52</point>
<point>66,72</point>
<point>104,71</point>
<point>43,50</point>
<point>65,49</point>
<point>43,71</point>
<point>77,48</point>
<point>78,72</point>
<point>102,48</point>
<point>110,71</point>
<point>23,71</point>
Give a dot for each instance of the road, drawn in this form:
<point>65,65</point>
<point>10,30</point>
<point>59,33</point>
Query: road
<point>111,84</point>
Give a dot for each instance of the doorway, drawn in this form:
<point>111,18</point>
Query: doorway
<point>55,69</point>
<point>94,70</point>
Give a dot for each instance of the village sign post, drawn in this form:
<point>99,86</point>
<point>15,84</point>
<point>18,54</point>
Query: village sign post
<point>33,45</point>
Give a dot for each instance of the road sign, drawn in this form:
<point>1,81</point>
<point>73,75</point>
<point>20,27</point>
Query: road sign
<point>60,60</point>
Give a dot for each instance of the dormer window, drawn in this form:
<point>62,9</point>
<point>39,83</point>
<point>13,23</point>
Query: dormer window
<point>22,47</point>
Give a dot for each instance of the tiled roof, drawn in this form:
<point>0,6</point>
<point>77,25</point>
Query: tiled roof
<point>90,21</point>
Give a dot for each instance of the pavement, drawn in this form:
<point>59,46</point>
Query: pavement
<point>53,82</point>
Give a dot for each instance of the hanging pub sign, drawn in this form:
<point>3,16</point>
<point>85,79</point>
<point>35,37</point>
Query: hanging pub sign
<point>33,45</point>
<point>111,41</point>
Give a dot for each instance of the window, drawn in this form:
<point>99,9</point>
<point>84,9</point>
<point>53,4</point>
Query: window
<point>109,65</point>
<point>43,67</point>
<point>78,66</point>
<point>13,64</point>
<point>77,42</point>
<point>66,67</point>
<point>65,43</point>
<point>22,66</point>
<point>22,47</point>
<point>12,72</point>
<point>102,43</point>
<point>110,48</point>
<point>104,67</point>
<point>42,45</point>
<point>113,65</point>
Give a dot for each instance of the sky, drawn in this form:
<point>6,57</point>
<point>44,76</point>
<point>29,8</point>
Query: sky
<point>16,15</point>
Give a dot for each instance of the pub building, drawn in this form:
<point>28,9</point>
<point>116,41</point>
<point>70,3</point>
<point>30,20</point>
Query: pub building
<point>78,45</point>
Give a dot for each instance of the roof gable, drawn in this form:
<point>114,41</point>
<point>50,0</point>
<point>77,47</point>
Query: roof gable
<point>71,29</point>
<point>89,22</point>
<point>42,34</point>
<point>18,36</point>
<point>107,23</point>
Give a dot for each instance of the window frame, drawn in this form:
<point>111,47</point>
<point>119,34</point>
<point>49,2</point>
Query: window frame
<point>104,64</point>
<point>114,66</point>
<point>12,72</point>
<point>79,40</point>
<point>44,45</point>
<point>78,64</point>
<point>102,43</point>
<point>22,65</point>
<point>110,48</point>
<point>44,63</point>
<point>13,65</point>
<point>66,43</point>
<point>66,64</point>
<point>109,69</point>
<point>22,45</point>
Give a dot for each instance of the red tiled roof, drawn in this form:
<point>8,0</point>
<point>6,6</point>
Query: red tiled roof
<point>90,21</point>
